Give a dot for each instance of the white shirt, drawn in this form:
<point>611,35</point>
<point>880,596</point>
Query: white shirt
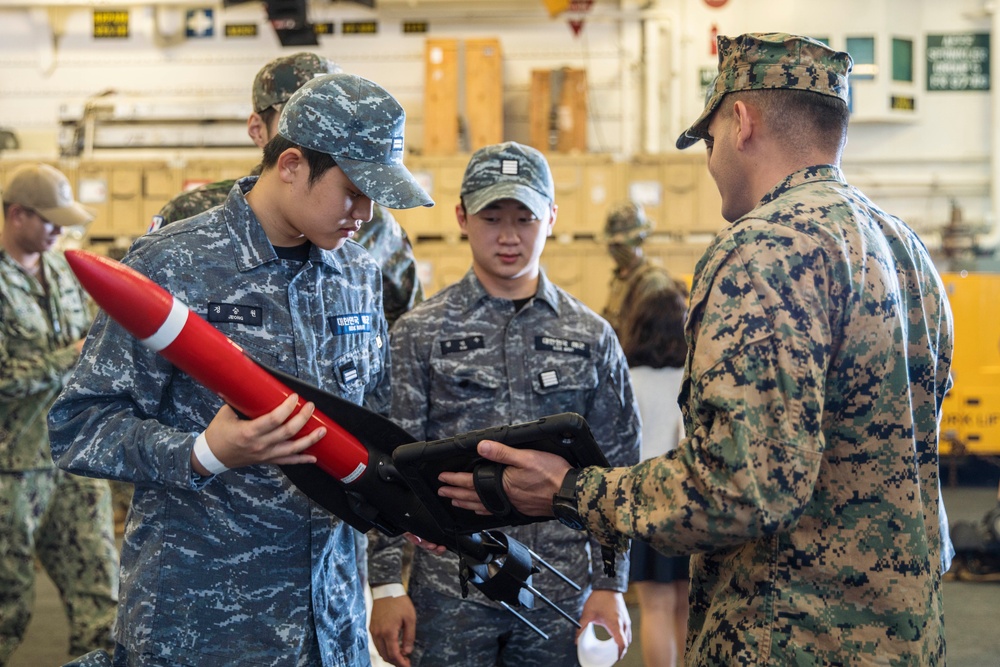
<point>656,391</point>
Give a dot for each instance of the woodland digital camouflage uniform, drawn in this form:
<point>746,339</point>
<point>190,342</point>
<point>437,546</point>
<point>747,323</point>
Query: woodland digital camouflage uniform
<point>820,344</point>
<point>239,568</point>
<point>276,81</point>
<point>63,520</point>
<point>626,291</point>
<point>383,237</point>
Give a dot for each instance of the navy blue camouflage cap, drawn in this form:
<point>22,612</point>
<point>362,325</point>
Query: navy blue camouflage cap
<point>508,171</point>
<point>277,80</point>
<point>776,60</point>
<point>360,125</point>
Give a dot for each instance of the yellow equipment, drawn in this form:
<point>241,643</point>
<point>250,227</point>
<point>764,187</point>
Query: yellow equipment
<point>970,423</point>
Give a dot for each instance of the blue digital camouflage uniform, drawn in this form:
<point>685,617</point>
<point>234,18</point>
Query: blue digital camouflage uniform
<point>820,344</point>
<point>382,236</point>
<point>464,360</point>
<point>62,520</point>
<point>239,568</point>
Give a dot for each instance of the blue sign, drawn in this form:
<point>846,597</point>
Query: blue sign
<point>199,23</point>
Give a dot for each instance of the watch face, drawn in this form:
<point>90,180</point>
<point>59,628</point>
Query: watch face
<point>575,524</point>
<point>567,515</point>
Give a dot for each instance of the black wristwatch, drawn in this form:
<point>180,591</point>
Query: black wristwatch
<point>564,501</point>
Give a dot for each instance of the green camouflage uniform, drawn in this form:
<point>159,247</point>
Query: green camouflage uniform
<point>627,290</point>
<point>63,520</point>
<point>820,343</point>
<point>624,232</point>
<point>383,237</point>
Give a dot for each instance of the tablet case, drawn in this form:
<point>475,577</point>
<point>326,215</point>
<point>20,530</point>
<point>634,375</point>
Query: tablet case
<point>566,434</point>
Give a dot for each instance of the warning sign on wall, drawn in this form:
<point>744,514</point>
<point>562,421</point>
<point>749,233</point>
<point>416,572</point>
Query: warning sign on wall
<point>111,24</point>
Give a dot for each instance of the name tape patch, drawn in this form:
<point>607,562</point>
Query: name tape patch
<point>564,345</point>
<point>235,312</point>
<point>349,323</point>
<point>463,344</point>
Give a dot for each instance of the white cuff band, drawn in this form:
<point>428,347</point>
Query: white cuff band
<point>205,456</point>
<point>388,591</point>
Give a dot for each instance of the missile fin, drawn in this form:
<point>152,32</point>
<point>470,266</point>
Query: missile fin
<point>379,434</point>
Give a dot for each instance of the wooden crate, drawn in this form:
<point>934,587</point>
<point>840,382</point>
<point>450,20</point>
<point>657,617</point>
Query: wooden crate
<point>540,109</point>
<point>561,126</point>
<point>441,97</point>
<point>571,116</point>
<point>483,92</point>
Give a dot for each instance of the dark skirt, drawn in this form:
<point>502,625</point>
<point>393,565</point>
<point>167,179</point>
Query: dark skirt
<point>648,564</point>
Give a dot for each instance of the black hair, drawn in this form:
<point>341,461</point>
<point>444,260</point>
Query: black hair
<point>653,334</point>
<point>319,163</point>
<point>268,114</point>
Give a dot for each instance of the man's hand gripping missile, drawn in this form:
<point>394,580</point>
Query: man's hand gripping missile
<point>355,476</point>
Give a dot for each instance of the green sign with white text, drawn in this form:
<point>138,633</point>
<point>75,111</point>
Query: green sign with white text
<point>958,62</point>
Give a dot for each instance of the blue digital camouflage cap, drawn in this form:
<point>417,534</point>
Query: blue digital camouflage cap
<point>508,171</point>
<point>277,80</point>
<point>360,125</point>
<point>776,60</point>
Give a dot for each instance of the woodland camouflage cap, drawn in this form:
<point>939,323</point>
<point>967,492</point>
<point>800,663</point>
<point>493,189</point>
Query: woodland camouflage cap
<point>360,125</point>
<point>626,222</point>
<point>281,77</point>
<point>757,61</point>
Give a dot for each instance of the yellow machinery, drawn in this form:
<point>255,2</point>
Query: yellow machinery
<point>970,424</point>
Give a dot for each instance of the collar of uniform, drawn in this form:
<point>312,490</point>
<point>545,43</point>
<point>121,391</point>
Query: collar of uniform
<point>14,274</point>
<point>547,291</point>
<point>472,292</point>
<point>250,244</point>
<point>820,172</point>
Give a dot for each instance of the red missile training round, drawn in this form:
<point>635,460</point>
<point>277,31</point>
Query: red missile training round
<point>356,476</point>
<point>165,325</point>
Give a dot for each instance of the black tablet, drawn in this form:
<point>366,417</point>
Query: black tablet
<point>566,434</point>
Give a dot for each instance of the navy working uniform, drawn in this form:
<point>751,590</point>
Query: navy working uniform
<point>382,236</point>
<point>238,568</point>
<point>62,520</point>
<point>466,360</point>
